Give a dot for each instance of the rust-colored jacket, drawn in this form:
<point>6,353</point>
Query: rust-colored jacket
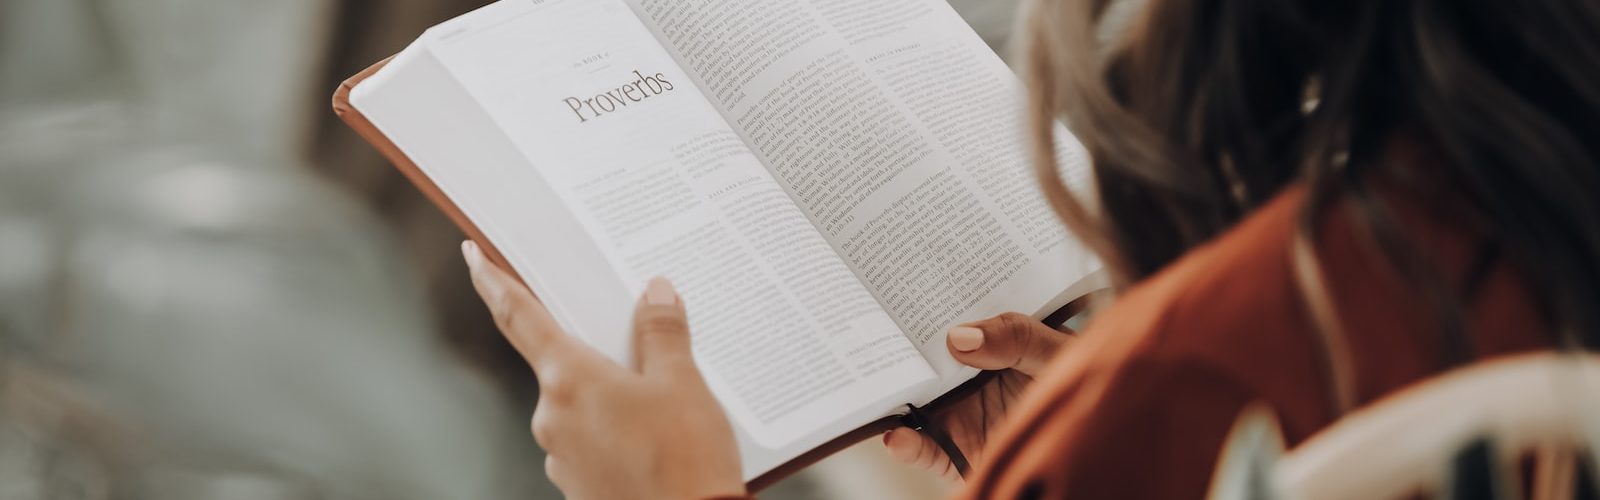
<point>1139,407</point>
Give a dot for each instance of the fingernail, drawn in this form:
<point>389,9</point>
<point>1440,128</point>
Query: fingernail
<point>469,251</point>
<point>966,338</point>
<point>660,293</point>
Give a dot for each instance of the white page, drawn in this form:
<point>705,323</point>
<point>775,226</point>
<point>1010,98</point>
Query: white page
<point>792,344</point>
<point>899,132</point>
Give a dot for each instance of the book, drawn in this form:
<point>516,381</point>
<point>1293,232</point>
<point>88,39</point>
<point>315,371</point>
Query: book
<point>830,184</point>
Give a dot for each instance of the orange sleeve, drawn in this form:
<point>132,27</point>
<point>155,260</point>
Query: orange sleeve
<point>1148,428</point>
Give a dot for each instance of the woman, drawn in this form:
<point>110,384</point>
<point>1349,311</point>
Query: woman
<point>1307,204</point>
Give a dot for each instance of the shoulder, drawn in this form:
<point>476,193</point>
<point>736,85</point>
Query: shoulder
<point>1227,311</point>
<point>1159,377</point>
<point>1231,308</point>
<point>1227,303</point>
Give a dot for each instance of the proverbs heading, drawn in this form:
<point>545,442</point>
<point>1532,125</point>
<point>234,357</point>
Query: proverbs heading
<point>610,101</point>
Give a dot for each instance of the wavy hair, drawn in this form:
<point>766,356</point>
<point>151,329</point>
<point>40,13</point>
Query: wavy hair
<point>1201,110</point>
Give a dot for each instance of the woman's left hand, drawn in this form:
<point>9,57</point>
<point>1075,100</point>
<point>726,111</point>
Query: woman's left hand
<point>652,430</point>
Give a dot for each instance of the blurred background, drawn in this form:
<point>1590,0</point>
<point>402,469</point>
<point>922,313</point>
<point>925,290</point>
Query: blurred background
<point>209,288</point>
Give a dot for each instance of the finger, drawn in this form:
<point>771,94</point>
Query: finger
<point>552,471</point>
<point>661,332</point>
<point>1008,341</point>
<point>904,444</point>
<point>521,318</point>
<point>916,450</point>
<point>544,427</point>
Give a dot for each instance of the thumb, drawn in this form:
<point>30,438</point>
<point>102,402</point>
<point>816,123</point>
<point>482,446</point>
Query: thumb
<point>1008,341</point>
<point>661,331</point>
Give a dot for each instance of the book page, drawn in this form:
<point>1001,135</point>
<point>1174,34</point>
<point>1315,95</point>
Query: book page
<point>898,131</point>
<point>795,348</point>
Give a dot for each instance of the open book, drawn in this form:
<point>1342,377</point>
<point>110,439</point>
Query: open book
<point>830,184</point>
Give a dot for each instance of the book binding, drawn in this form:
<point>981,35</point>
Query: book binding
<point>922,419</point>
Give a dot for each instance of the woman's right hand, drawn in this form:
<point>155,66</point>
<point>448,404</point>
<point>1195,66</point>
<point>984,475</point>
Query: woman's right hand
<point>1014,344</point>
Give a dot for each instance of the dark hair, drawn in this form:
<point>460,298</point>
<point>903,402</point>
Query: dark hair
<point>1201,110</point>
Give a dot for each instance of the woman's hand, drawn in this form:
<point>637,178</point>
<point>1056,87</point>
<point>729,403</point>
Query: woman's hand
<point>1014,343</point>
<point>651,430</point>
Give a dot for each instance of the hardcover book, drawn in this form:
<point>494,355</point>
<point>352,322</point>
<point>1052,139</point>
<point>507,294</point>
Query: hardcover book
<point>830,184</point>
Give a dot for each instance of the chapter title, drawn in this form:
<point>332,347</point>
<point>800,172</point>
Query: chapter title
<point>613,100</point>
